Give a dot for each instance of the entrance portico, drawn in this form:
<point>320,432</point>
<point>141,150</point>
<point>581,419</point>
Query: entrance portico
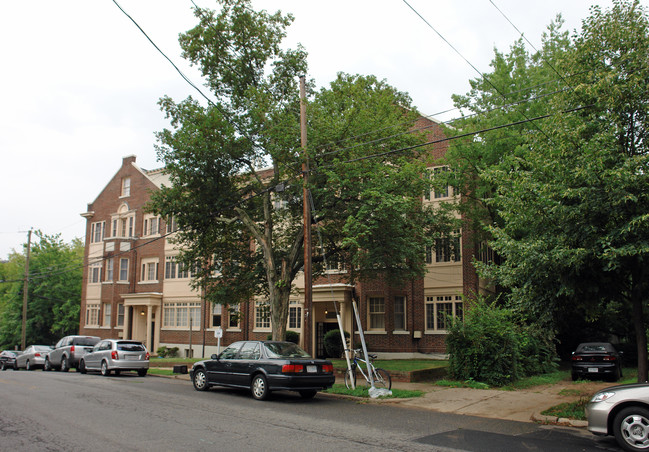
<point>143,317</point>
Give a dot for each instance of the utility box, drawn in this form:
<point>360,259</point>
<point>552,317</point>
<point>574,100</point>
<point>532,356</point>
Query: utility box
<point>416,334</point>
<point>182,369</point>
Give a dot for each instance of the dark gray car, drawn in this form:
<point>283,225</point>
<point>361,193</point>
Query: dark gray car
<point>68,351</point>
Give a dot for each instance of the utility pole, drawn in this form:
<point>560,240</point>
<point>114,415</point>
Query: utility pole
<point>25,290</point>
<point>308,279</point>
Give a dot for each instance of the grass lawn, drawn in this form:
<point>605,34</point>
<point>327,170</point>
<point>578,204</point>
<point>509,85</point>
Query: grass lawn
<point>398,365</point>
<point>157,371</point>
<point>575,410</point>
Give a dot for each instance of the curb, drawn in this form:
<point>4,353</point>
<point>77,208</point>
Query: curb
<point>554,420</point>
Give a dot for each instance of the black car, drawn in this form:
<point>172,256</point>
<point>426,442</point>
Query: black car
<point>8,359</point>
<point>264,366</point>
<point>596,360</point>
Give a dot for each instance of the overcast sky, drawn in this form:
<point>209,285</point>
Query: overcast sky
<point>80,83</point>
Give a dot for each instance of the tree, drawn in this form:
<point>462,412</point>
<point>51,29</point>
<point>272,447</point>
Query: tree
<point>575,206</point>
<point>55,270</point>
<point>241,226</point>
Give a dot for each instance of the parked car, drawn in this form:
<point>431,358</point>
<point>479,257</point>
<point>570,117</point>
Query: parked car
<point>8,359</point>
<point>621,411</point>
<point>264,366</point>
<point>596,359</point>
<point>68,351</point>
<point>33,357</point>
<point>116,355</point>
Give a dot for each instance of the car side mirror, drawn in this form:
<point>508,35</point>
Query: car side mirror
<point>214,356</point>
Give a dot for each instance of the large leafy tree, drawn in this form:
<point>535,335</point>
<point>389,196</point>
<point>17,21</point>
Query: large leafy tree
<point>241,226</point>
<point>575,206</point>
<point>55,270</point>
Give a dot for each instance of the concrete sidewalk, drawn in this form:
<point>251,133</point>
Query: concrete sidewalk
<point>524,405</point>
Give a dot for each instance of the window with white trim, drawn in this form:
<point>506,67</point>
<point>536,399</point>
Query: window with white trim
<point>440,309</point>
<point>172,225</point>
<point>294,315</point>
<point>92,315</point>
<point>234,317</point>
<point>109,269</point>
<point>94,273</point>
<point>217,314</point>
<point>443,190</point>
<point>97,231</point>
<point>126,186</point>
<point>376,313</point>
<point>446,249</point>
<point>262,314</point>
<point>151,225</point>
<point>178,314</point>
<point>399,313</point>
<point>120,314</point>
<point>107,311</point>
<point>149,270</point>
<point>123,269</point>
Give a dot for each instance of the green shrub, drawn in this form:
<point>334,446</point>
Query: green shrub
<point>167,352</point>
<point>333,343</point>
<point>291,336</point>
<point>491,346</point>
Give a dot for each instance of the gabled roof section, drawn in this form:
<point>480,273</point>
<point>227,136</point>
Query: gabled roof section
<point>158,177</point>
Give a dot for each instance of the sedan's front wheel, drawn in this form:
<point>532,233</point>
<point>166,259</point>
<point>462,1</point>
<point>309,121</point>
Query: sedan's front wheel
<point>82,367</point>
<point>28,365</point>
<point>47,366</point>
<point>200,380</point>
<point>259,387</point>
<point>631,428</point>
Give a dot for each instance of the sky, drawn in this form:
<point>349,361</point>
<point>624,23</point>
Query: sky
<point>80,82</point>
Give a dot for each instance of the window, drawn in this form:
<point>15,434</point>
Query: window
<point>441,192</point>
<point>97,231</point>
<point>217,310</point>
<point>107,309</point>
<point>377,313</point>
<point>400,313</point>
<point>123,269</point>
<point>149,270</point>
<point>151,226</point>
<point>126,186</point>
<point>262,314</point>
<point>440,309</point>
<point>120,314</point>
<point>94,275</point>
<point>172,225</point>
<point>446,249</point>
<point>233,314</point>
<point>178,315</point>
<point>109,269</point>
<point>92,315</point>
<point>174,269</point>
<point>250,350</point>
<point>294,316</point>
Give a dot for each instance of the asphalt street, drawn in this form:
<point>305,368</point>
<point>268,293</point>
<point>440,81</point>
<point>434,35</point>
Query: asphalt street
<point>56,411</point>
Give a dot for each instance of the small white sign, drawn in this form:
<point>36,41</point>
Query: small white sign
<point>218,333</point>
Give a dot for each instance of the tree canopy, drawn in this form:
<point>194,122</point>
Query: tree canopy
<point>235,165</point>
<point>56,270</point>
<point>570,197</point>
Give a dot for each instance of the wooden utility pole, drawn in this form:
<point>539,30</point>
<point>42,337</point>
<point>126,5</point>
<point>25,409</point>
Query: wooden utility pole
<point>308,279</point>
<point>25,291</point>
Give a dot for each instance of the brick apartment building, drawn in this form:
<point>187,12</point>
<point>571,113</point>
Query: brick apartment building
<point>133,287</point>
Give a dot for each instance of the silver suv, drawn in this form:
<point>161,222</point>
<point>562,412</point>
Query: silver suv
<point>116,355</point>
<point>68,351</point>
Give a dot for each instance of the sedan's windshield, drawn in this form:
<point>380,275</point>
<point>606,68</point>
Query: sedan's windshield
<point>285,350</point>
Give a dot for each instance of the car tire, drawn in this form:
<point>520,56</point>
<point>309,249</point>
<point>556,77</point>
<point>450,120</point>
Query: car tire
<point>105,371</point>
<point>574,376</point>
<point>3,366</point>
<point>64,364</point>
<point>16,366</point>
<point>47,366</point>
<point>82,367</point>
<point>259,387</point>
<point>631,428</point>
<point>615,376</point>
<point>200,380</point>
<point>142,372</point>
<point>308,394</point>
<point>28,365</point>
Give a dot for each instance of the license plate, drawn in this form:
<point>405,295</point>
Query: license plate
<point>593,369</point>
<point>312,369</point>
<point>132,357</point>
